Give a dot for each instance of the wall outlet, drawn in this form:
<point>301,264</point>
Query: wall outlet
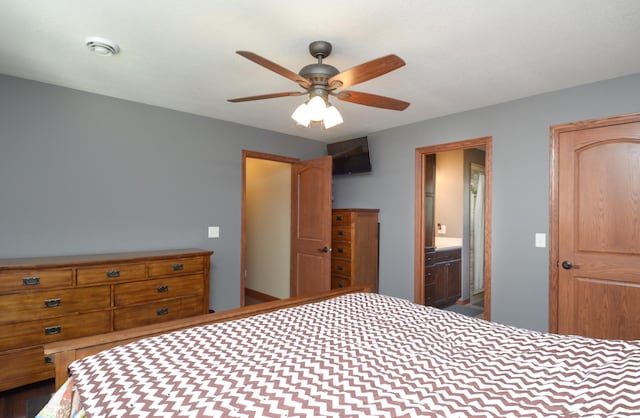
<point>541,240</point>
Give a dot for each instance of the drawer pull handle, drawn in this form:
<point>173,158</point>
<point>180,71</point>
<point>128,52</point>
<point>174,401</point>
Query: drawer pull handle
<point>339,218</point>
<point>113,273</point>
<point>427,275</point>
<point>52,303</point>
<point>163,289</point>
<point>340,232</point>
<point>341,250</point>
<point>163,311</point>
<point>340,285</point>
<point>340,268</point>
<point>177,267</point>
<point>31,281</point>
<point>53,330</point>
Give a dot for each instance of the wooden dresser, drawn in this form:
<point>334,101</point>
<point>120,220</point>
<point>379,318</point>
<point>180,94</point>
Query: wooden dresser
<point>354,242</point>
<point>50,299</point>
<point>442,276</point>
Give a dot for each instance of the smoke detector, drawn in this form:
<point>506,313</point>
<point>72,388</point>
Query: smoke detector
<point>101,46</point>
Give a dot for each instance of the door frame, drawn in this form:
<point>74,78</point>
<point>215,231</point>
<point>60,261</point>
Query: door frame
<point>554,207</point>
<point>243,217</point>
<point>419,257</point>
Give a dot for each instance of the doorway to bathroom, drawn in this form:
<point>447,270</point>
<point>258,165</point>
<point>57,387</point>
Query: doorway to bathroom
<point>453,226</point>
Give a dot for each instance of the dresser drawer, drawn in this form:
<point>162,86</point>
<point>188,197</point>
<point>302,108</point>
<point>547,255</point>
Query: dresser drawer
<point>27,366</point>
<point>341,218</point>
<point>56,298</point>
<point>149,290</point>
<point>29,280</point>
<point>159,311</point>
<point>39,305</point>
<point>341,233</point>
<point>430,256</point>
<point>341,249</point>
<point>184,265</point>
<point>44,331</point>
<point>341,267</point>
<point>111,274</point>
<point>339,282</point>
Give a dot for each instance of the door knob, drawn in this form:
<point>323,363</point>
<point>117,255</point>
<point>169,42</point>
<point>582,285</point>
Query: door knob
<point>567,265</point>
<point>325,249</point>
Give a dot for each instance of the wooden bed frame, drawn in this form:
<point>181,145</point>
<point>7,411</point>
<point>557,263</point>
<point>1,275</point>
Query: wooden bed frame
<point>63,353</point>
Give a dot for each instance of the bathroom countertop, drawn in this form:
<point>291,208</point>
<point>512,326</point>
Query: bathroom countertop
<point>448,247</point>
<point>447,242</point>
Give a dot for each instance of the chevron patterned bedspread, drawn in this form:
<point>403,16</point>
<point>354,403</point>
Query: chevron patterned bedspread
<point>362,355</point>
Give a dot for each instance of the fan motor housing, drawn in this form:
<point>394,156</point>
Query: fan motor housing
<point>318,73</point>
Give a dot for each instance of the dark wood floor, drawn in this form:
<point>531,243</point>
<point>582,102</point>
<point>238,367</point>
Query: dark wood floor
<point>253,297</point>
<point>13,403</point>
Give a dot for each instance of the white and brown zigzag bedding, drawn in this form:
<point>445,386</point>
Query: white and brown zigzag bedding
<point>362,355</point>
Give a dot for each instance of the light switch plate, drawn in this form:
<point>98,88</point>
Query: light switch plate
<point>214,232</point>
<point>541,239</point>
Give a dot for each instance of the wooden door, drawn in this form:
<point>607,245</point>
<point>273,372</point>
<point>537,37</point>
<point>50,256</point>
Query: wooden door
<point>429,200</point>
<point>311,226</point>
<point>595,283</point>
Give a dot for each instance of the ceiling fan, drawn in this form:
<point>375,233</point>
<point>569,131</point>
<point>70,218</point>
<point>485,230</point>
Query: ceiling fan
<point>321,80</point>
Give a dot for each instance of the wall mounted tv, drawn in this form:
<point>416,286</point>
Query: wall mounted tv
<point>351,156</point>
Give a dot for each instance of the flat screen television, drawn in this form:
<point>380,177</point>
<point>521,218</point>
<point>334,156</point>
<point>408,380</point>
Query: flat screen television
<point>351,156</point>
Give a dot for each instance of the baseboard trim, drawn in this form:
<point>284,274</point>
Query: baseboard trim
<point>463,301</point>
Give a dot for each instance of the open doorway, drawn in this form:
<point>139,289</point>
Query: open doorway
<point>266,228</point>
<point>286,226</point>
<point>462,271</point>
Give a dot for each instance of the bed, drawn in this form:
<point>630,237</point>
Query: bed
<point>352,354</point>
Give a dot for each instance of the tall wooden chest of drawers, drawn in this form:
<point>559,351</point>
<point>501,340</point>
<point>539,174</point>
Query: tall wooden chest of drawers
<point>49,299</point>
<point>354,242</point>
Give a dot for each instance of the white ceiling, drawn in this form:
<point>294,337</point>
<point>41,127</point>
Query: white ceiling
<point>460,54</point>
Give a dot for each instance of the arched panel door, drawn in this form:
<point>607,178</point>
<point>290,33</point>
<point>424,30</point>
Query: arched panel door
<point>598,232</point>
<point>311,226</point>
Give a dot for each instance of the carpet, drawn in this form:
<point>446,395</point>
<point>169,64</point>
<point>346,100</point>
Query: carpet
<point>466,310</point>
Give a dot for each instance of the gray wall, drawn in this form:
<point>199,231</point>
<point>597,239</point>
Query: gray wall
<point>82,173</point>
<point>520,131</point>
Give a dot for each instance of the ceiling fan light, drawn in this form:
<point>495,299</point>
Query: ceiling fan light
<point>332,117</point>
<point>301,115</point>
<point>317,108</point>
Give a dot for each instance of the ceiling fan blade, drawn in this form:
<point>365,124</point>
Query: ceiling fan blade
<point>303,82</point>
<point>372,100</point>
<point>267,96</point>
<point>367,71</point>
